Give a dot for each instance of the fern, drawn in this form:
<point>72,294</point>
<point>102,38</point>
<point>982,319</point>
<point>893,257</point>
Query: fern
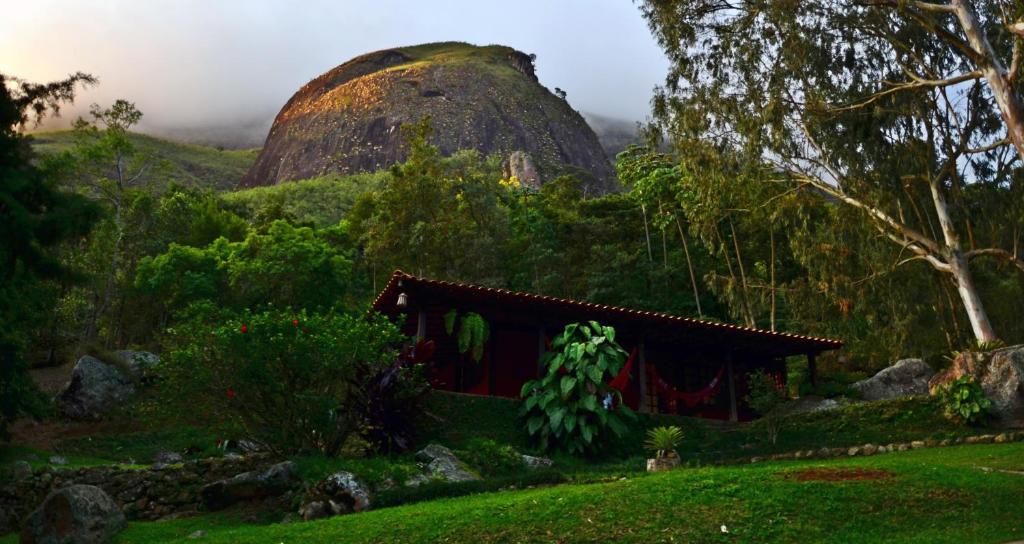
<point>473,333</point>
<point>449,321</point>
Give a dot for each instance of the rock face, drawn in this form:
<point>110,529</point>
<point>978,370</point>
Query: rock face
<point>484,98</point>
<point>94,389</point>
<point>444,465</point>
<point>78,514</point>
<point>340,493</point>
<point>1000,374</point>
<point>520,165</point>
<point>246,486</point>
<point>906,378</point>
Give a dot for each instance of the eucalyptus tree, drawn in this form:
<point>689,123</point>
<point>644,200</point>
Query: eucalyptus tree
<point>893,107</point>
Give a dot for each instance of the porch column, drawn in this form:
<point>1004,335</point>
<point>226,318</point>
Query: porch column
<point>642,359</point>
<point>812,369</point>
<point>421,324</point>
<point>541,341</point>
<point>733,412</point>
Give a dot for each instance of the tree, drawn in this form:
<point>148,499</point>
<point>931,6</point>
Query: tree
<point>895,108</point>
<point>111,169</point>
<point>35,216</point>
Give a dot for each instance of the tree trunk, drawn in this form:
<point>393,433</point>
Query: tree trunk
<point>689,265</point>
<point>995,73</point>
<point>743,276</point>
<point>980,324</point>
<point>647,234</point>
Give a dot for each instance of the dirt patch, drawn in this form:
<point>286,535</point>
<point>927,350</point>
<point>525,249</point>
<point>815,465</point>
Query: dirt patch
<point>53,379</point>
<point>837,474</point>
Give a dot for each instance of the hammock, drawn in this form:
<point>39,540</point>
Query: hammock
<point>689,399</point>
<point>622,380</point>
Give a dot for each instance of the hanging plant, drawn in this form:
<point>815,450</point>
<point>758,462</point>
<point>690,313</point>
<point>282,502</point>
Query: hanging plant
<point>472,335</point>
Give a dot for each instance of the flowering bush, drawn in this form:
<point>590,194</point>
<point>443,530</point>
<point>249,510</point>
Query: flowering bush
<point>293,381</point>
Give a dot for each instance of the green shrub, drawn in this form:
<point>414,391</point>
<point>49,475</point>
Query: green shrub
<point>763,398</point>
<point>964,400</point>
<point>490,457</point>
<point>441,489</point>
<point>662,440</point>
<point>566,408</point>
<point>294,381</point>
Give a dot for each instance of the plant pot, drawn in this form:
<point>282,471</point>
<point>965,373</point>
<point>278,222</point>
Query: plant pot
<point>661,464</point>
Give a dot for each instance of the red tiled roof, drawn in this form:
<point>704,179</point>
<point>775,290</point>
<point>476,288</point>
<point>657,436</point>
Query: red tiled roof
<point>802,342</point>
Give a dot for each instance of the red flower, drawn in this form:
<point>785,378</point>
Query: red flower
<point>245,329</point>
<point>295,322</point>
<point>230,393</point>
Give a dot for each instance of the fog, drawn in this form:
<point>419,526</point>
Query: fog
<point>218,71</point>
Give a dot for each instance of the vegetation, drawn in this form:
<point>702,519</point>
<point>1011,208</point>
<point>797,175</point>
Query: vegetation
<point>186,165</point>
<point>964,399</point>
<point>933,495</point>
<point>572,407</point>
<point>663,441</point>
<point>35,218</point>
<point>473,332</point>
<point>764,397</point>
<point>867,121</point>
<point>294,381</point>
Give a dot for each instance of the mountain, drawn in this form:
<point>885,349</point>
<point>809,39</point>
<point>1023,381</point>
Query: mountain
<point>485,98</point>
<point>614,134</point>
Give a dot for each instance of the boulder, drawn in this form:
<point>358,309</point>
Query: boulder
<point>340,493</point>
<point>276,480</point>
<point>906,378</point>
<point>21,471</point>
<point>166,458</point>
<point>443,464</point>
<point>1000,374</point>
<point>530,461</point>
<point>139,363</point>
<point>58,460</point>
<point>78,514</point>
<point>94,389</point>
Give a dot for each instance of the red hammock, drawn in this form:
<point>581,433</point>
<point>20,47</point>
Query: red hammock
<point>622,380</point>
<point>689,399</point>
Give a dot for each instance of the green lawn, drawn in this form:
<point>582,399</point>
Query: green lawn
<point>931,495</point>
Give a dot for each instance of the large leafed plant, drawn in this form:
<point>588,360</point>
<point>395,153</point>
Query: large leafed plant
<point>572,407</point>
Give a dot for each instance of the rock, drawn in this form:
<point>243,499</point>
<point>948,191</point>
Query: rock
<point>903,447</point>
<point>58,460</point>
<point>315,510</point>
<point>662,464</point>
<point>95,388</point>
<point>917,444</point>
<point>340,493</point>
<point>869,449</point>
<point>854,451</point>
<point>530,461</point>
<point>417,480</point>
<point>444,465</point>
<point>21,471</point>
<point>520,165</point>
<point>1000,374</point>
<point>197,534</point>
<point>349,119</point>
<point>165,458</point>
<point>273,481</point>
<point>906,378</point>
<point>1001,438</point>
<point>140,363</point>
<point>78,514</point>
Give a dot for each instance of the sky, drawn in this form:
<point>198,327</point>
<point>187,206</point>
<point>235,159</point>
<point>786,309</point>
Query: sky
<point>221,64</point>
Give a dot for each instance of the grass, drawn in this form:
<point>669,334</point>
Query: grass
<point>931,495</point>
<point>454,419</point>
<point>188,164</point>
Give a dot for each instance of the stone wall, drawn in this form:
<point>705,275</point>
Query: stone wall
<point>144,494</point>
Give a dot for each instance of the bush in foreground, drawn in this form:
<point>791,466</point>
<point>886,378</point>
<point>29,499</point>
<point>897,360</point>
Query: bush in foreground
<point>295,381</point>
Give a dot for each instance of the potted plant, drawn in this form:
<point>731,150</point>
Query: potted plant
<point>663,441</point>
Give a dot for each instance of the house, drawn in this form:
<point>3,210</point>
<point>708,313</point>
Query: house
<point>680,365</point>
